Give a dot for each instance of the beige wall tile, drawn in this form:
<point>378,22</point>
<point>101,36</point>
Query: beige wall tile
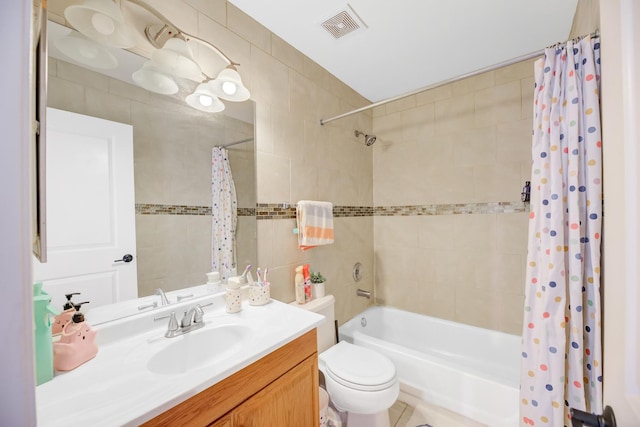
<point>401,104</point>
<point>82,76</point>
<point>274,176</point>
<point>389,128</point>
<point>527,86</point>
<point>214,9</point>
<point>107,106</point>
<point>437,301</point>
<point>248,28</point>
<point>514,141</point>
<point>477,308</point>
<point>182,15</point>
<point>497,271</point>
<point>436,231</point>
<point>511,316</point>
<point>454,268</point>
<point>475,147</point>
<point>418,123</point>
<point>269,80</point>
<point>498,183</point>
<point>303,96</point>
<point>512,232</point>
<point>498,104</point>
<point>287,54</point>
<point>475,232</point>
<point>398,177</point>
<point>514,72</point>
<point>473,84</point>
<point>455,113</point>
<point>394,231</point>
<point>433,95</point>
<point>66,95</point>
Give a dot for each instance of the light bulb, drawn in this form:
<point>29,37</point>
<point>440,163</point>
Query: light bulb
<point>205,100</point>
<point>229,88</point>
<point>103,24</point>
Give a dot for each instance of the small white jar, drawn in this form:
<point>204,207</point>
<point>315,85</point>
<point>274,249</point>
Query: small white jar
<point>233,297</point>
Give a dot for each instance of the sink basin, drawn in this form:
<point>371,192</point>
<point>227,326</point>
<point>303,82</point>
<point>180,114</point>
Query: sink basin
<point>199,348</point>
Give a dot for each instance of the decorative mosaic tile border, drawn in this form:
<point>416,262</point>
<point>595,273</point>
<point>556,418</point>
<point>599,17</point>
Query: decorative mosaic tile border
<point>452,209</point>
<point>285,211</point>
<point>153,209</point>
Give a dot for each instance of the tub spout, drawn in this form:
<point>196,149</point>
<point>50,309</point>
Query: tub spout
<point>363,293</point>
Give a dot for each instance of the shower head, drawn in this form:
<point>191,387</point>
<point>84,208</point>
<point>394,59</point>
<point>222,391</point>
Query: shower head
<point>368,139</point>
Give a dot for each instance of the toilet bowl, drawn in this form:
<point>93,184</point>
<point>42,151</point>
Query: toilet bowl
<point>362,384</point>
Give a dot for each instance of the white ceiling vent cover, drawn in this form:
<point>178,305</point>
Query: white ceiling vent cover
<point>345,21</point>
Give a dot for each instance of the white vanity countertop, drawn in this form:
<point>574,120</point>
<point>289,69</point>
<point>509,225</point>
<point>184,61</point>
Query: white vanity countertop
<point>116,388</point>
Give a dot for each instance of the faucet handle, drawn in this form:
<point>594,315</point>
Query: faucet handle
<point>198,313</point>
<point>186,319</point>
<point>173,323</point>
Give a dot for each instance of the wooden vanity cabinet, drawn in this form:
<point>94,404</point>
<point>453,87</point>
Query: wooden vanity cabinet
<point>281,389</point>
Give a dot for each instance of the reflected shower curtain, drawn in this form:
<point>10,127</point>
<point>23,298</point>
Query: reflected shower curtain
<point>224,211</point>
<point>561,349</point>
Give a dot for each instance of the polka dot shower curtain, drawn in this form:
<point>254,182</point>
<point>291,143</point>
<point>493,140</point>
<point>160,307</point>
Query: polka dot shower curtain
<point>561,349</point>
<point>224,211</point>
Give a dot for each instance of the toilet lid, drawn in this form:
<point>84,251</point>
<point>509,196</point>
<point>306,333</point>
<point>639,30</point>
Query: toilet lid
<point>358,367</point>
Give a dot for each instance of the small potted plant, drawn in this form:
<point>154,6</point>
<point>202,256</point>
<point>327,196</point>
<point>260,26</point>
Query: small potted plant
<point>318,284</point>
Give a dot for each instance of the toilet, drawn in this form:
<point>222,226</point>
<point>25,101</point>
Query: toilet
<point>362,384</point>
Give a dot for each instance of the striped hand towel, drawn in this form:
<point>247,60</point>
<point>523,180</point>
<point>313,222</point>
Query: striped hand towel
<point>315,223</point>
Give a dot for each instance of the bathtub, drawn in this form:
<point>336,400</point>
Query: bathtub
<point>472,371</point>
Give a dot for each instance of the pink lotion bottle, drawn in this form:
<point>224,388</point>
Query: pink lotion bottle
<point>66,316</point>
<point>77,344</point>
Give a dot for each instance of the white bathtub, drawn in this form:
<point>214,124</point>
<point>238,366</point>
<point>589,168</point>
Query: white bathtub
<point>472,371</point>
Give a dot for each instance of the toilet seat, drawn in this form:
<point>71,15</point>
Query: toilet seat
<point>359,368</point>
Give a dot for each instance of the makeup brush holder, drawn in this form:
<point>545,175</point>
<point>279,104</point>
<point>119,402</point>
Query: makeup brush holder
<point>259,295</point>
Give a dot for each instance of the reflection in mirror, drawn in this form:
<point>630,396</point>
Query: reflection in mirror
<point>172,157</point>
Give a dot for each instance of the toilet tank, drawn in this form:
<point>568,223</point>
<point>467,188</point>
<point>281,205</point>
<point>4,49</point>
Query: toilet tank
<point>327,330</point>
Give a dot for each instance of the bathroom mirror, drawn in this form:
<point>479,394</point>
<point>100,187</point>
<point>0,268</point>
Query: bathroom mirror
<point>172,149</point>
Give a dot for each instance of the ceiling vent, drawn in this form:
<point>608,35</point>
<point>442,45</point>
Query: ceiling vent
<point>345,21</point>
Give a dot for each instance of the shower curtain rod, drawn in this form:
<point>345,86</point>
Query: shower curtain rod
<point>236,142</point>
<point>444,82</point>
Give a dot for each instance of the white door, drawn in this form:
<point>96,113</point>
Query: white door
<point>620,24</point>
<point>90,210</point>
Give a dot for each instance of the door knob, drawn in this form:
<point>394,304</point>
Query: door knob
<point>126,258</point>
<point>581,418</point>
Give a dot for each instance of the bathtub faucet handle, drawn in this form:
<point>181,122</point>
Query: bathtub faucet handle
<point>363,293</point>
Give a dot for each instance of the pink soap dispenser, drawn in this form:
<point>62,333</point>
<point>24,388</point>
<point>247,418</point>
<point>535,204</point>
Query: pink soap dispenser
<point>65,317</point>
<point>77,343</point>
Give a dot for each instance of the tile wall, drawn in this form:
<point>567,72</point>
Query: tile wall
<point>450,232</point>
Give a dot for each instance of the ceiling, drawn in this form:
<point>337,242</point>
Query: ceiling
<point>410,44</point>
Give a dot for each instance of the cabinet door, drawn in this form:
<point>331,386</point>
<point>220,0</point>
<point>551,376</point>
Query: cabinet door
<point>289,401</point>
<point>222,422</point>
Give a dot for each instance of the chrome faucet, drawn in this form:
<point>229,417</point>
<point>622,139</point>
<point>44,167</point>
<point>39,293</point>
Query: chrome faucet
<point>192,317</point>
<point>191,321</point>
<point>163,297</point>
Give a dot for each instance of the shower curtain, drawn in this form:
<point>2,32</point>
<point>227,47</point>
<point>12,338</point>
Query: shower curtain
<point>561,349</point>
<point>224,211</point>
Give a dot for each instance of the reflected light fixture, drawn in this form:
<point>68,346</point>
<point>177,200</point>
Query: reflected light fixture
<point>204,99</point>
<point>174,59</point>
<point>86,51</point>
<point>101,21</point>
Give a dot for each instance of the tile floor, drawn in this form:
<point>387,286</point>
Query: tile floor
<point>402,414</point>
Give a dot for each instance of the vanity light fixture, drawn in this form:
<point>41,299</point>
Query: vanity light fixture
<point>174,59</point>
<point>101,21</point>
